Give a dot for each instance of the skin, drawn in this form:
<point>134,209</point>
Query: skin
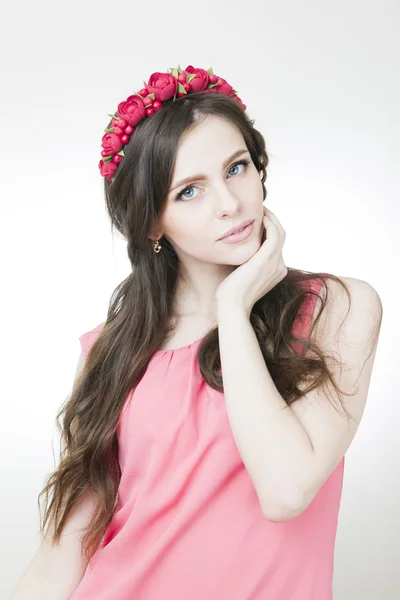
<point>207,209</point>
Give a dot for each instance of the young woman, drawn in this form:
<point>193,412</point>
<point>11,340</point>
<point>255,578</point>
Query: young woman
<point>203,449</point>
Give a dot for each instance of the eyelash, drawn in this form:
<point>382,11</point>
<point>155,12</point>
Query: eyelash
<point>244,162</point>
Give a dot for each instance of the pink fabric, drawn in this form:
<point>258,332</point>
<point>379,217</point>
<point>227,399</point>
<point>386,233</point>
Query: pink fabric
<point>188,524</point>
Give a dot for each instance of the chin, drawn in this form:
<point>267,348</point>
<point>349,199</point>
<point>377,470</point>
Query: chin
<point>241,254</point>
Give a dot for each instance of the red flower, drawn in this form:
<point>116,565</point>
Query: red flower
<point>107,169</point>
<point>132,110</point>
<point>223,87</point>
<point>238,100</point>
<point>200,82</point>
<point>111,143</point>
<point>162,85</point>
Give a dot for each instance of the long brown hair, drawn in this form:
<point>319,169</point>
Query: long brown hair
<point>140,314</point>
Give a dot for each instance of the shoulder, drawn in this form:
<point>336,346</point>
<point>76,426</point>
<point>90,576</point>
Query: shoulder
<point>357,315</point>
<point>88,338</point>
<point>361,294</point>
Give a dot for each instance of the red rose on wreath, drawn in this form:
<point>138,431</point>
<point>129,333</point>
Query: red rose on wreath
<point>162,85</point>
<point>111,143</point>
<point>224,87</point>
<point>200,82</point>
<point>132,110</point>
<point>238,100</point>
<point>107,169</point>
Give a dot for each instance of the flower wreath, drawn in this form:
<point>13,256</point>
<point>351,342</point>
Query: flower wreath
<point>160,88</point>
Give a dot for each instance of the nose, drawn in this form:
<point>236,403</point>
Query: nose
<point>226,202</point>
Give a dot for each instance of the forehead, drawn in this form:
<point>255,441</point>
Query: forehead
<point>213,139</point>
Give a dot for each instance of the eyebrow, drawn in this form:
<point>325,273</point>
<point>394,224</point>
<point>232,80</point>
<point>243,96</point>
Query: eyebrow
<point>201,176</point>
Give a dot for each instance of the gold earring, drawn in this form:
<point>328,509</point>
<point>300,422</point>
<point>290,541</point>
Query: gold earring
<point>157,246</point>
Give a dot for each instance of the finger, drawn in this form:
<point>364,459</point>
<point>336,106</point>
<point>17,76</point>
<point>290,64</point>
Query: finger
<point>269,219</point>
<point>272,233</point>
<point>269,215</point>
<point>271,222</point>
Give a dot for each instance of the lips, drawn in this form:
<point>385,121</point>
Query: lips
<point>235,229</point>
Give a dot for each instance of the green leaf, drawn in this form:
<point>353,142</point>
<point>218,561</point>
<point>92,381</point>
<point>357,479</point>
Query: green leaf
<point>210,71</point>
<point>107,159</point>
<point>121,153</point>
<point>109,130</point>
<point>181,88</point>
<point>175,73</point>
<point>190,77</point>
<point>113,116</point>
<point>152,96</point>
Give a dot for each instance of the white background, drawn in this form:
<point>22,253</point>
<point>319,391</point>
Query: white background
<point>321,80</point>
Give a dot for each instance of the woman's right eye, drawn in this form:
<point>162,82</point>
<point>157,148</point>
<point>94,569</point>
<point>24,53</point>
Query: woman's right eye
<point>180,195</point>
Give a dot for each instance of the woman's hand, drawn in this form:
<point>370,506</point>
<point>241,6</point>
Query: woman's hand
<point>262,272</point>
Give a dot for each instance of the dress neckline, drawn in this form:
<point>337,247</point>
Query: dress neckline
<point>180,349</point>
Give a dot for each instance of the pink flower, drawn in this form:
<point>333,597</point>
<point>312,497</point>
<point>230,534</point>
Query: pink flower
<point>223,87</point>
<point>107,169</point>
<point>111,143</point>
<point>239,101</point>
<point>132,110</point>
<point>200,82</point>
<point>162,85</point>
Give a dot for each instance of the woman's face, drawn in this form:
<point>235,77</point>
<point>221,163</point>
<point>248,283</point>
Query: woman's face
<point>201,210</point>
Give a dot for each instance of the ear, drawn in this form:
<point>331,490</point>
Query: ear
<point>154,234</point>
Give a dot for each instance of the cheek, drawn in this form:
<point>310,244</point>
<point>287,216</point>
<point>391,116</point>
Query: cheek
<point>187,234</point>
<point>250,190</point>
<point>256,188</point>
<point>187,229</point>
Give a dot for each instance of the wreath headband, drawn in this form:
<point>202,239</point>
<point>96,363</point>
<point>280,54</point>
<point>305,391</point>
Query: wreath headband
<point>140,105</point>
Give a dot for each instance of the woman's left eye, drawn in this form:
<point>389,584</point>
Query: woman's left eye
<point>243,162</point>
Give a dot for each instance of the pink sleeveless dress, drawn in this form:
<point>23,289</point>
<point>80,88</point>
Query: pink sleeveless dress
<point>188,524</point>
